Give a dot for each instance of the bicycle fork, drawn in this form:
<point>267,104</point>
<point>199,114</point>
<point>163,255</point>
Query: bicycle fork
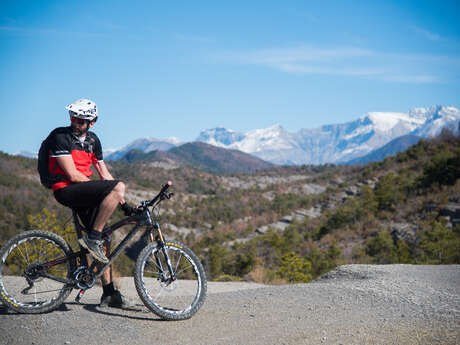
<point>161,243</point>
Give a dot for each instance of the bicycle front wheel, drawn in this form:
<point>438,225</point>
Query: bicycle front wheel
<point>175,298</point>
<point>23,286</point>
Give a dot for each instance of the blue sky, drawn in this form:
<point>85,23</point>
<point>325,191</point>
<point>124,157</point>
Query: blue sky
<point>164,69</point>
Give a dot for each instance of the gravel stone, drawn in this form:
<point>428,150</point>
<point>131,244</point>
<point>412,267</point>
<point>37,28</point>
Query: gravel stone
<point>354,304</point>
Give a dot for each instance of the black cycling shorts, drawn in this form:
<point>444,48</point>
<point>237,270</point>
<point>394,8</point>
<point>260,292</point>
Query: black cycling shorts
<point>85,194</point>
<point>85,198</point>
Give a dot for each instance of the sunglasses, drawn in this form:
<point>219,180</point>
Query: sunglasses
<point>79,121</point>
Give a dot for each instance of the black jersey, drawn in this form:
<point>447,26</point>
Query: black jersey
<point>84,153</point>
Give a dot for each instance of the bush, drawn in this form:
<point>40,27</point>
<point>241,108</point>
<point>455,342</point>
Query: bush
<point>47,221</point>
<point>294,269</point>
<point>386,192</point>
<point>382,248</point>
<point>440,245</point>
<point>443,170</point>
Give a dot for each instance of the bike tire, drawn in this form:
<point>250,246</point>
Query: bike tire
<point>26,249</point>
<point>180,299</point>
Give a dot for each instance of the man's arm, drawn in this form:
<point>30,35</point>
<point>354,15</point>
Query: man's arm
<point>102,170</point>
<point>67,164</point>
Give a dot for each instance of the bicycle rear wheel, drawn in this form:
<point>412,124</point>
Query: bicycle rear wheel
<point>177,299</point>
<point>22,285</point>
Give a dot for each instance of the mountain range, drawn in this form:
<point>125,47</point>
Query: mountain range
<point>335,143</point>
<point>371,137</point>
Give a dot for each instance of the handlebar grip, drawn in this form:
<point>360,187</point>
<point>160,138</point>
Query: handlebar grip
<point>166,186</point>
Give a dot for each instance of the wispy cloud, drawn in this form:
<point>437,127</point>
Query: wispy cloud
<point>17,30</point>
<point>426,33</point>
<point>193,38</point>
<point>349,62</point>
<point>301,54</point>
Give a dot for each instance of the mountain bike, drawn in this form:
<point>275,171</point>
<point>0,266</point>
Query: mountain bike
<point>38,269</point>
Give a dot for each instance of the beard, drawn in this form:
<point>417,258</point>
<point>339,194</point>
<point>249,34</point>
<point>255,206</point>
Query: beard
<point>78,131</point>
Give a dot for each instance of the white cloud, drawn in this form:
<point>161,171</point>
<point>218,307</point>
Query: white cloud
<point>17,30</point>
<point>427,34</point>
<point>193,38</point>
<point>303,54</point>
<point>351,62</point>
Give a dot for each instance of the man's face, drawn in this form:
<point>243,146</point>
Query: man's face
<point>80,126</point>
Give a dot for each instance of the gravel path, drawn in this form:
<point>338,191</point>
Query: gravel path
<point>354,304</point>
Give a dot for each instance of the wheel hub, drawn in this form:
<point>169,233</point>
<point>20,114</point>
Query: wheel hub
<point>32,273</point>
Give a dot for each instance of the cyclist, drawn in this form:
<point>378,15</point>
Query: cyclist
<point>73,150</point>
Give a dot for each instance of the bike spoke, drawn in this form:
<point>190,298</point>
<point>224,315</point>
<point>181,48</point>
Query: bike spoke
<point>178,262</point>
<point>41,292</point>
<point>184,269</point>
<point>24,257</point>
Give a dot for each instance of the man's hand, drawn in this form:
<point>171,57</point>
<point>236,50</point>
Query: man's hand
<point>128,209</point>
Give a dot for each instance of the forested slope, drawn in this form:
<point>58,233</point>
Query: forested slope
<point>285,224</point>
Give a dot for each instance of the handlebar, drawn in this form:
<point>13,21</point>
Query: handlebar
<point>160,196</point>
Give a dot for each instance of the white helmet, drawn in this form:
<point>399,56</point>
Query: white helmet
<point>84,109</point>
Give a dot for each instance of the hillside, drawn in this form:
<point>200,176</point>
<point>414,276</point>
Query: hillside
<point>203,156</point>
<point>285,224</point>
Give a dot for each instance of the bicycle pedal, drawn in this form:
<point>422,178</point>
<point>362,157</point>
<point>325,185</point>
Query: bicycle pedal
<point>79,296</point>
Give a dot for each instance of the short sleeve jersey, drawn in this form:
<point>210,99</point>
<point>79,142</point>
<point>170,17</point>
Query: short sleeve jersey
<point>84,154</point>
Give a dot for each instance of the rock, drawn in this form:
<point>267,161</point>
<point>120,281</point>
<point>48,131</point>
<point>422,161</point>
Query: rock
<point>352,190</point>
<point>452,211</point>
<point>261,231</point>
<point>313,189</point>
<point>313,212</point>
<point>404,231</point>
<point>286,219</point>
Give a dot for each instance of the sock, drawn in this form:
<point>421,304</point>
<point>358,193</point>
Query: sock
<point>94,235</point>
<point>108,290</point>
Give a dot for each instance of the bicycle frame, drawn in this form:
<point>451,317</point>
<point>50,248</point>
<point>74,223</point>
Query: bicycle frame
<point>84,276</point>
<point>143,219</point>
<point>140,220</point>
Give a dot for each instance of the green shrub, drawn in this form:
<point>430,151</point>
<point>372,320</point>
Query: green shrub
<point>440,245</point>
<point>294,268</point>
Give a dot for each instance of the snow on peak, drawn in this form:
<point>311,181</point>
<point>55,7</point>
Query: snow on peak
<point>219,136</point>
<point>173,140</point>
<point>386,121</point>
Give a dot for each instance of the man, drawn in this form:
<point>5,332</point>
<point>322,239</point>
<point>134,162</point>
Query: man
<point>73,150</point>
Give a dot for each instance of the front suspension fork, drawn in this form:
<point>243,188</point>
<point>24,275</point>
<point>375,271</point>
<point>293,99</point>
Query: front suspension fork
<point>161,244</point>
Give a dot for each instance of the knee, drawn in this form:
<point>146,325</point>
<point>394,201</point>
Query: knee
<point>120,189</point>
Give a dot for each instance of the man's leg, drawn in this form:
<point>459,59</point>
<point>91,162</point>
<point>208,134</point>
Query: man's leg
<point>92,242</point>
<point>108,206</point>
<point>111,297</point>
<point>106,277</point>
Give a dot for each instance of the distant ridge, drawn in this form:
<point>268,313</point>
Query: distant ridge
<point>143,145</point>
<point>392,148</point>
<point>203,156</point>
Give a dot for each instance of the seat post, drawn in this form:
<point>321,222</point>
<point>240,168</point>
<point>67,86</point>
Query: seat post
<point>77,224</point>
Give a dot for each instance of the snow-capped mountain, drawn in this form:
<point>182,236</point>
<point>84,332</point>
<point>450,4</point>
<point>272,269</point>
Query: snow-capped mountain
<point>145,145</point>
<point>27,154</point>
<point>334,143</point>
